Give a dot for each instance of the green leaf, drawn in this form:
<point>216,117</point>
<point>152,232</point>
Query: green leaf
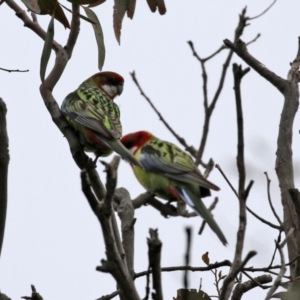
<point>99,36</point>
<point>33,6</point>
<point>85,1</point>
<point>96,3</point>
<point>152,5</point>
<point>130,8</point>
<point>80,15</point>
<point>120,8</point>
<point>47,49</point>
<point>52,7</point>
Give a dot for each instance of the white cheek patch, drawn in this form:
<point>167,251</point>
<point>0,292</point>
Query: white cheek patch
<point>133,149</point>
<point>111,90</point>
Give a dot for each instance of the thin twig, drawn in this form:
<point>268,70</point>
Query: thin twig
<point>252,212</point>
<point>181,140</point>
<point>252,18</point>
<point>270,200</point>
<point>19,71</point>
<point>34,295</point>
<point>187,257</point>
<point>240,49</point>
<point>110,296</point>
<point>224,263</point>
<point>275,250</point>
<point>254,40</point>
<point>281,273</point>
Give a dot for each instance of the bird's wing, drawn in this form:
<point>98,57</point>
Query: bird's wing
<point>166,158</point>
<point>96,112</point>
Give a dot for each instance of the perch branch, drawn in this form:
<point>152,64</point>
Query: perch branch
<point>125,211</point>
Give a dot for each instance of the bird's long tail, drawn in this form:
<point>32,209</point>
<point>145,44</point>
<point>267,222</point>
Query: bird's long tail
<point>198,206</point>
<point>118,147</point>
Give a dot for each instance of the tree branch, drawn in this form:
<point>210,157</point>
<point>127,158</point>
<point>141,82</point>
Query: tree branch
<point>154,252</point>
<point>103,210</point>
<point>242,288</point>
<point>225,293</point>
<point>270,201</point>
<point>125,211</point>
<point>240,49</point>
<point>4,161</point>
<point>34,26</point>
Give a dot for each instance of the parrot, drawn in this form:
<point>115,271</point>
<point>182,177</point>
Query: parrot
<point>91,111</point>
<point>171,174</point>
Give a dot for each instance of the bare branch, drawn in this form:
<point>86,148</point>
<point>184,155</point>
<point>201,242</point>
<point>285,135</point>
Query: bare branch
<point>166,209</point>
<point>187,257</point>
<point>225,293</point>
<point>9,71</point>
<point>282,269</point>
<point>209,108</point>
<point>125,211</point>
<point>240,49</point>
<point>224,263</point>
<point>254,40</point>
<point>110,296</point>
<point>263,11</point>
<point>4,162</point>
<point>238,74</point>
<point>242,288</point>
<point>181,140</point>
<point>155,245</point>
<point>34,296</point>
<point>284,162</point>
<point>114,263</point>
<point>252,212</point>
<point>270,200</point>
<point>34,26</point>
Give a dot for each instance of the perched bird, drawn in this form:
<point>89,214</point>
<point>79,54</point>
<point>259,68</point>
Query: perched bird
<point>92,112</point>
<point>171,174</point>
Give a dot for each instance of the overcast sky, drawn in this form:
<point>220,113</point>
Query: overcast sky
<point>53,239</point>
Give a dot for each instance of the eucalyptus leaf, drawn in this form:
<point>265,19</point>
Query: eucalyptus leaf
<point>53,7</point>
<point>130,8</point>
<point>47,49</point>
<point>32,5</point>
<point>99,36</point>
<point>120,8</point>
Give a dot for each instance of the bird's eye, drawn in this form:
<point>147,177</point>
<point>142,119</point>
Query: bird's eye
<point>110,80</point>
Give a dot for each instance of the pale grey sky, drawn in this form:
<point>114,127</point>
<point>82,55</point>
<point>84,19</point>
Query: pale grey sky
<point>53,239</point>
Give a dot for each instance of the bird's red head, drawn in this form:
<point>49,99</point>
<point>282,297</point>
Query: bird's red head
<point>110,83</point>
<point>135,140</point>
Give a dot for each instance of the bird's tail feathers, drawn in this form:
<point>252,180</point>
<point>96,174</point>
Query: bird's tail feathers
<point>118,147</point>
<point>198,206</point>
